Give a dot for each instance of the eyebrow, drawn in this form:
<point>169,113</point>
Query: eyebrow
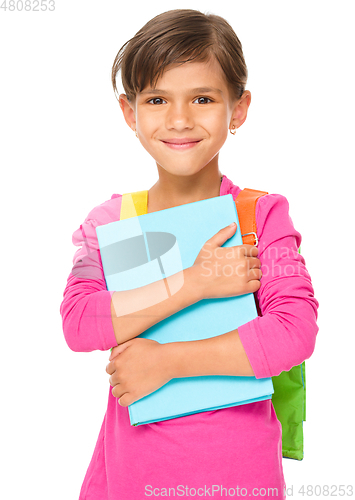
<point>198,90</point>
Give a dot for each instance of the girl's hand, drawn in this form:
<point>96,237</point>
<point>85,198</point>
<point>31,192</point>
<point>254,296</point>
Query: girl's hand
<point>137,367</point>
<point>226,271</point>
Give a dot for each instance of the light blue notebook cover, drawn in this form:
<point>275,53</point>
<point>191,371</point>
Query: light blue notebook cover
<point>147,248</point>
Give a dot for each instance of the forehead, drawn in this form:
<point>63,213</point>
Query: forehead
<point>191,75</point>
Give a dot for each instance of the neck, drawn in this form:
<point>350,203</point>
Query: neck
<point>173,190</point>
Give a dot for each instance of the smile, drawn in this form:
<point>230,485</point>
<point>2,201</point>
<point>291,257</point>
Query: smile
<point>181,144</point>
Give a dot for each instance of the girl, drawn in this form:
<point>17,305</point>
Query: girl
<point>184,77</point>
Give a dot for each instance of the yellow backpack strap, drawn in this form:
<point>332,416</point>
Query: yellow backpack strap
<point>134,204</point>
<point>245,203</point>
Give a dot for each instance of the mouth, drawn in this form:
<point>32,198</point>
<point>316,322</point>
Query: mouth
<point>181,144</point>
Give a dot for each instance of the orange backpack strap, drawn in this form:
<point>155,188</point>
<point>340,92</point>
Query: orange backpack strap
<point>245,203</point>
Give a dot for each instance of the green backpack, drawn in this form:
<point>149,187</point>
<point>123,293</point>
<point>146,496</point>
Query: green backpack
<point>289,397</point>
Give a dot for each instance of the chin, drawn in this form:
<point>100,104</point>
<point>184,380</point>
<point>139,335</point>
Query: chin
<point>182,171</point>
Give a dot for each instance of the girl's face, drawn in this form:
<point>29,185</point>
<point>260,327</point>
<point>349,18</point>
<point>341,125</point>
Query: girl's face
<point>184,121</point>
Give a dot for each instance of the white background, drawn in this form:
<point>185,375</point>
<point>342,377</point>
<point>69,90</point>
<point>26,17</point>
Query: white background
<point>65,148</point>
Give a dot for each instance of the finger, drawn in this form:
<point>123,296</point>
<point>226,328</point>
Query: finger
<point>248,250</point>
<point>110,368</point>
<point>118,349</point>
<point>117,391</point>
<point>127,399</point>
<point>253,286</point>
<point>113,380</point>
<point>255,274</point>
<point>223,235</point>
<point>123,401</point>
<point>253,262</point>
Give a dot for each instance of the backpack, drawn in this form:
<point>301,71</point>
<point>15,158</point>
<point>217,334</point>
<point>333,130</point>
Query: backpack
<point>289,397</point>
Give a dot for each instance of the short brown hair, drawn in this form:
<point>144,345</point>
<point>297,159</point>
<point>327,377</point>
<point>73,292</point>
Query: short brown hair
<point>179,36</point>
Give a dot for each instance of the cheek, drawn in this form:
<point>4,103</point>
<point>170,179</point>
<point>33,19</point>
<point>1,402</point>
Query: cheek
<point>219,132</point>
<point>146,129</point>
<point>217,124</point>
<point>148,123</point>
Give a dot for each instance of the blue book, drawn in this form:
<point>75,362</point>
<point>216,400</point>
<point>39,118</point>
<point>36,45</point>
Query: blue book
<point>147,248</point>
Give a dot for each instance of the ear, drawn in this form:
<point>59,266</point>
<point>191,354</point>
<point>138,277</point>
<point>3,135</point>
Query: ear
<point>128,110</point>
<point>240,109</point>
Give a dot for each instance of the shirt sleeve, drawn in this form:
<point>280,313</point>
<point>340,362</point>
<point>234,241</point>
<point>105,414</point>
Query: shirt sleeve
<point>86,305</point>
<point>285,334</point>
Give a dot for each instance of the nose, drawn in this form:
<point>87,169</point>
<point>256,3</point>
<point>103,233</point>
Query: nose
<point>179,117</point>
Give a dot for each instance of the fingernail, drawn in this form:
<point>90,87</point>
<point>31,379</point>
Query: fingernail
<point>233,224</point>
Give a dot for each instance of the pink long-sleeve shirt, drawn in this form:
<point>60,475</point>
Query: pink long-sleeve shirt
<point>215,453</point>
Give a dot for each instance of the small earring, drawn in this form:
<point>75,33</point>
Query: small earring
<point>230,130</point>
<point>136,133</point>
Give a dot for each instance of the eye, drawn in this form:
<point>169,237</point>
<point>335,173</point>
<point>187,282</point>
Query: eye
<point>155,99</point>
<point>203,100</point>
